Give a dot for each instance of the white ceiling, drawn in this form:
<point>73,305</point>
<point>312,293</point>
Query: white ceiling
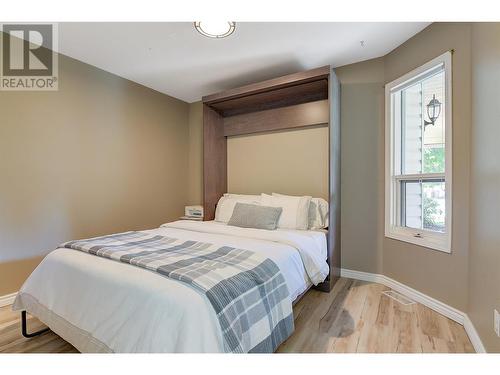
<point>175,59</point>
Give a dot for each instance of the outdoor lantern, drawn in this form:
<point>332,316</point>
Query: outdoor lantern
<point>433,111</point>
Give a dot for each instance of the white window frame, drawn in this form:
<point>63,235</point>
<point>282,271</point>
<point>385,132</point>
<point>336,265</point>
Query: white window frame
<point>422,237</point>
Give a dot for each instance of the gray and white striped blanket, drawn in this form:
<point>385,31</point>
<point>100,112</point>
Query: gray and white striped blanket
<point>247,291</point>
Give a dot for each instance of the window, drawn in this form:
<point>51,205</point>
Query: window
<point>418,156</point>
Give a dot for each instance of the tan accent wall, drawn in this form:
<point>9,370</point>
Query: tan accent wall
<point>440,275</point>
<point>293,162</point>
<point>484,274</point>
<point>362,164</point>
<point>101,155</point>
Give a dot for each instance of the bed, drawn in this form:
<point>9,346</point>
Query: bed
<point>108,305</point>
<point>102,305</point>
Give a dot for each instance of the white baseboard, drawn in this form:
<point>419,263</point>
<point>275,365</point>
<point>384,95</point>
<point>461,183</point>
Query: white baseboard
<point>473,335</point>
<point>8,299</point>
<point>432,303</point>
<point>360,275</point>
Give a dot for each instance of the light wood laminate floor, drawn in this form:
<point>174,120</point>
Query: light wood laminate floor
<point>354,317</point>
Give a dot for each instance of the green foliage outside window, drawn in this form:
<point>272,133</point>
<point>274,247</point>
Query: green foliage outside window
<point>433,163</point>
<point>431,208</point>
<point>434,160</point>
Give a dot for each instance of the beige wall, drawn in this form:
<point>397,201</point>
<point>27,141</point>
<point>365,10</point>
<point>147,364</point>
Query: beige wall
<point>440,275</point>
<point>484,274</point>
<point>290,162</point>
<point>13,273</point>
<point>362,185</point>
<point>101,155</point>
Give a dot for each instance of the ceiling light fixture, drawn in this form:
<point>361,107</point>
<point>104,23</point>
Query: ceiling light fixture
<point>214,29</point>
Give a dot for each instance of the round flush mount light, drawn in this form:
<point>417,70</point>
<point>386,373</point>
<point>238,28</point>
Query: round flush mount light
<point>214,29</point>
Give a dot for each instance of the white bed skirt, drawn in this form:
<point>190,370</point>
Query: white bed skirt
<point>81,340</point>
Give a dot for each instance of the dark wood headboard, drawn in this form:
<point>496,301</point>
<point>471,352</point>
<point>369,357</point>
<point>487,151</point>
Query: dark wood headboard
<point>298,100</point>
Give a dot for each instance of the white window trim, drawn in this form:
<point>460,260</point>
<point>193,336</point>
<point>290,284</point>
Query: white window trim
<point>421,237</point>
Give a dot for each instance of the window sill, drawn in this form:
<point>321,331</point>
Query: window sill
<point>430,240</point>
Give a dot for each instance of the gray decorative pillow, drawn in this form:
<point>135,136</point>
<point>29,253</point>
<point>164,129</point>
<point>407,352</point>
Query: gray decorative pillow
<point>255,216</point>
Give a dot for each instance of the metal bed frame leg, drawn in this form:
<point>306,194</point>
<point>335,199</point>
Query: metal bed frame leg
<point>24,327</point>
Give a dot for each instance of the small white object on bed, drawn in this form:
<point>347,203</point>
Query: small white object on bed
<point>100,305</point>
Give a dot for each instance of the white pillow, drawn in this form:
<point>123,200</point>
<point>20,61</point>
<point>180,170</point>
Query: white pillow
<point>225,206</point>
<point>295,213</point>
<point>318,214</point>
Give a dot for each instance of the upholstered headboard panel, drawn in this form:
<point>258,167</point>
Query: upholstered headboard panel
<point>293,162</point>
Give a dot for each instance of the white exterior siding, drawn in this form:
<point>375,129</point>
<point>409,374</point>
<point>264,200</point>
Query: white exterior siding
<point>412,163</point>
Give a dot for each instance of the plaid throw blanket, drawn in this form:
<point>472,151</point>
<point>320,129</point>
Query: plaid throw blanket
<point>247,291</point>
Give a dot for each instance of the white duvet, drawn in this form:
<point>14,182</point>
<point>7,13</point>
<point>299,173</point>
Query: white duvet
<point>130,309</point>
